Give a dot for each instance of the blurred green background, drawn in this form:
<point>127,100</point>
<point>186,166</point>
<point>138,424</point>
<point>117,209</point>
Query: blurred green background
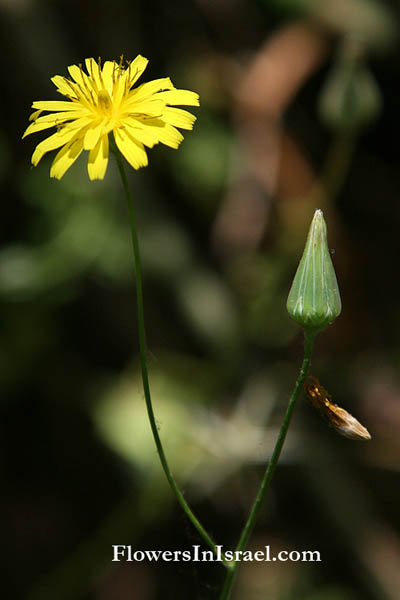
<point>299,110</point>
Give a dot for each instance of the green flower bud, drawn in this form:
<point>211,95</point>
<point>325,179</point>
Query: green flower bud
<point>314,298</point>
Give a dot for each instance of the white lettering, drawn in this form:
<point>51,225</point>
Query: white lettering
<point>311,554</point>
<point>126,553</point>
<point>196,554</point>
<point>118,552</point>
<point>138,556</point>
<point>294,555</point>
<point>219,553</point>
<point>153,554</point>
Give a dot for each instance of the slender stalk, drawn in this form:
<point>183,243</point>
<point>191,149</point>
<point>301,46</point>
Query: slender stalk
<point>143,363</point>
<point>248,528</point>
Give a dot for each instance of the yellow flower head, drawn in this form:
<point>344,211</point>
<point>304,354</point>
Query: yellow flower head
<point>104,101</point>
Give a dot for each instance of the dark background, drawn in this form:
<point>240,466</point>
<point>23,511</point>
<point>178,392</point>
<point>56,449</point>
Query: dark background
<point>222,224</point>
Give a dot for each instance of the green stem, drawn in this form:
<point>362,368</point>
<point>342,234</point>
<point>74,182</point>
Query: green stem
<point>248,528</point>
<point>143,363</point>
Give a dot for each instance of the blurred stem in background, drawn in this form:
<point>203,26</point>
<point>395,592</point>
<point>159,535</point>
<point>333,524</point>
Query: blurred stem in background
<point>337,164</point>
<point>349,102</point>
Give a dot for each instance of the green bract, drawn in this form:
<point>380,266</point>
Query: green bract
<point>314,298</point>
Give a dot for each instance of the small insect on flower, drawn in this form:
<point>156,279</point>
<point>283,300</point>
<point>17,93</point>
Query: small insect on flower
<point>342,421</point>
<point>104,101</point>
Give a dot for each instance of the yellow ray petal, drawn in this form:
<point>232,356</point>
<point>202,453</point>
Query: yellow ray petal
<point>151,87</point>
<point>170,136</point>
<point>185,97</point>
<point>133,150</point>
<point>136,68</point>
<point>98,159</point>
<point>85,88</point>
<point>120,87</point>
<point>58,105</point>
<point>35,127</point>
<point>146,135</point>
<point>125,78</point>
<point>48,121</point>
<point>79,76</point>
<point>59,117</point>
<point>151,107</point>
<point>94,73</point>
<point>80,123</point>
<point>76,73</point>
<point>107,75</point>
<point>51,143</point>
<point>160,131</point>
<point>35,115</point>
<point>76,124</point>
<point>178,117</point>
<point>93,134</point>
<point>64,86</point>
<point>66,158</point>
<point>81,93</point>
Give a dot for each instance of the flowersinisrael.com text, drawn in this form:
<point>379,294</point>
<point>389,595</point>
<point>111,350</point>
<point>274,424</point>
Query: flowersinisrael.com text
<point>126,553</point>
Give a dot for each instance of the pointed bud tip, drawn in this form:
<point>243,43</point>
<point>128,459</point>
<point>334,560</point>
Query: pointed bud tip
<point>318,218</point>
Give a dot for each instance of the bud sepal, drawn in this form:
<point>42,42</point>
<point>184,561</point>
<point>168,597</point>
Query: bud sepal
<point>314,298</point>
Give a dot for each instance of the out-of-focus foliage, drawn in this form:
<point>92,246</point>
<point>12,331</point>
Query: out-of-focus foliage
<point>368,20</point>
<point>222,224</point>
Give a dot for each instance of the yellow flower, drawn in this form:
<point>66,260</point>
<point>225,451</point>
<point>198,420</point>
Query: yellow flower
<point>103,102</point>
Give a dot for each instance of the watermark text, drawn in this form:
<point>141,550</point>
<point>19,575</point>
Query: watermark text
<point>127,553</point>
